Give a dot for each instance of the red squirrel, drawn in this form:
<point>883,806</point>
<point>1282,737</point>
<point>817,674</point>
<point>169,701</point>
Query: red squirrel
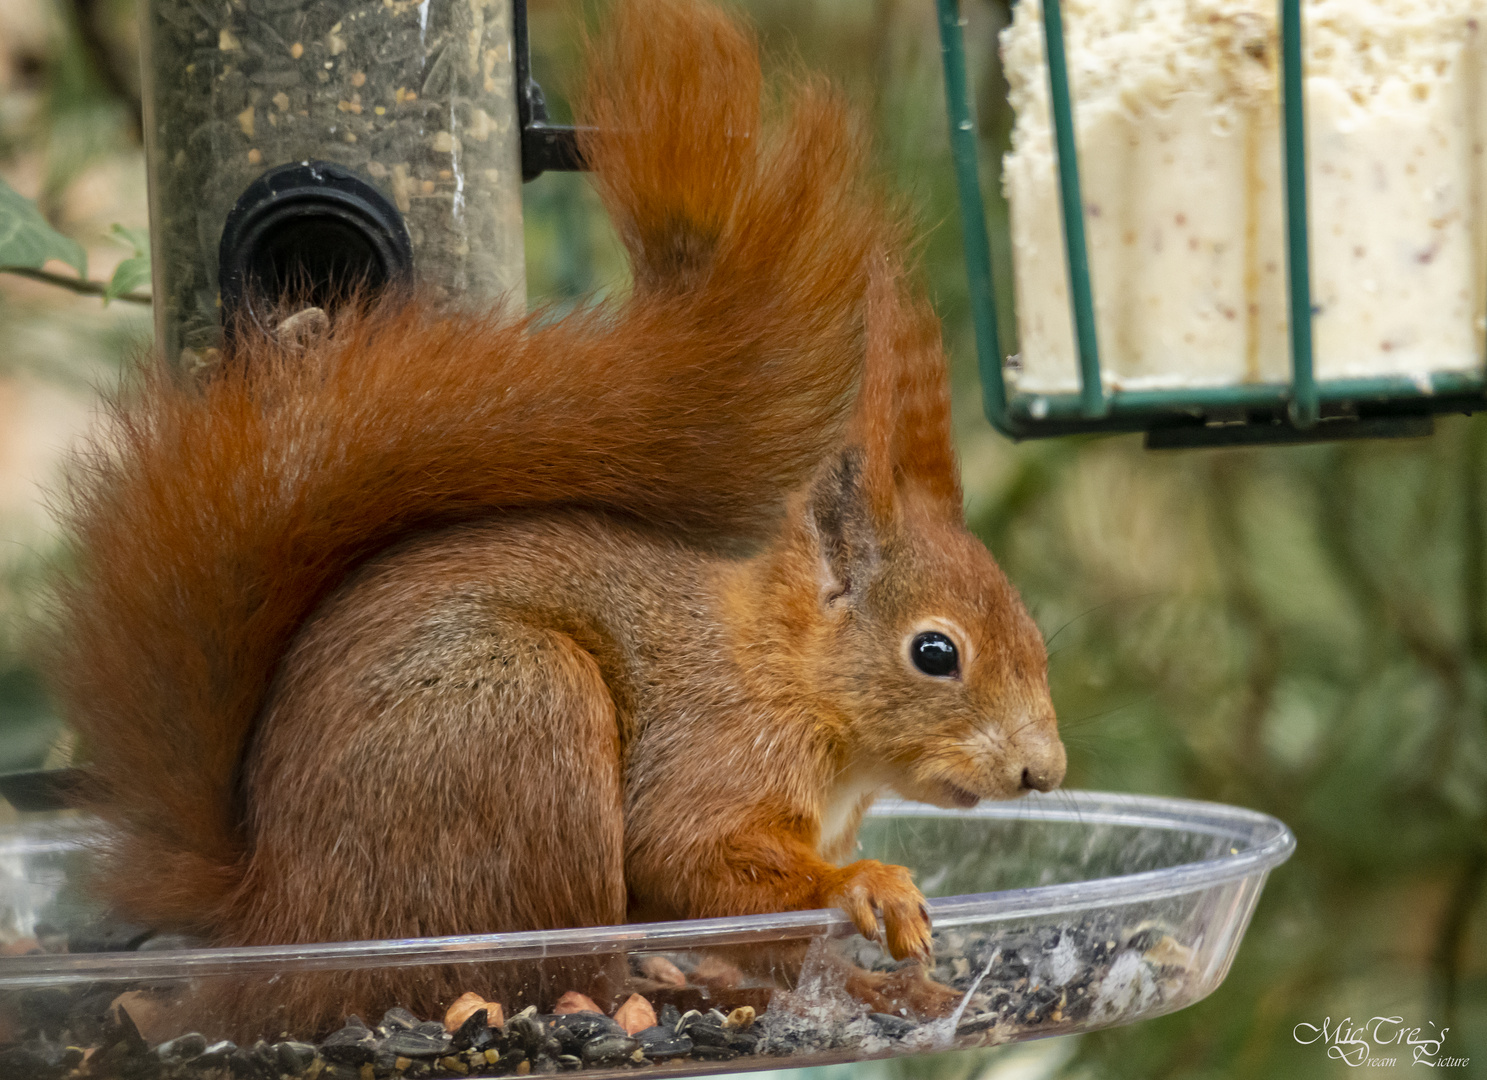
<point>455,623</point>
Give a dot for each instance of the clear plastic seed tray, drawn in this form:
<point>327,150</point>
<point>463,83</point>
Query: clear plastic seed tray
<point>1054,914</point>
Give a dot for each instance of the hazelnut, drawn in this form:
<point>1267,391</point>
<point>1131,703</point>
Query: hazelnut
<point>573,1002</point>
<point>635,1015</point>
<point>663,971</point>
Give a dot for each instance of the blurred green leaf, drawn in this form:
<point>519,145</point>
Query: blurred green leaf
<point>28,241</point>
<point>134,271</point>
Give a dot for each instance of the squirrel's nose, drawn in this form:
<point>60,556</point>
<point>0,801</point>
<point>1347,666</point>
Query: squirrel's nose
<point>1039,781</point>
<point>1043,769</point>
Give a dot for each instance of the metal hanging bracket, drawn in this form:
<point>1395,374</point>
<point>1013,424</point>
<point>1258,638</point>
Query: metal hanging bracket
<point>544,147</point>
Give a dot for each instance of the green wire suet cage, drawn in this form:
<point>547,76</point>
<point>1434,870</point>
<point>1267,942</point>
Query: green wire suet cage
<point>1303,408</point>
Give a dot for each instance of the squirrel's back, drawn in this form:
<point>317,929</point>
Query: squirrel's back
<point>212,518</point>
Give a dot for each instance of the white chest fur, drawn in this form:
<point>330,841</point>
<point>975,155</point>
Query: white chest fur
<point>851,794</point>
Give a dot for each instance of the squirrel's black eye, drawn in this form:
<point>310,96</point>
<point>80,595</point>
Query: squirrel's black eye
<point>934,654</point>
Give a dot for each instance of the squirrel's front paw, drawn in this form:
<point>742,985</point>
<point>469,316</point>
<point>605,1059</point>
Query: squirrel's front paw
<point>870,891</point>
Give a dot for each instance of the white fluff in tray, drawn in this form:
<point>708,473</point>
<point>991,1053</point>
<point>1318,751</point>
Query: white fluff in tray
<point>1176,105</point>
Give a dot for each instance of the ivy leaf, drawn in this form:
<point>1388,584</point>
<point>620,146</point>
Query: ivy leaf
<point>134,271</point>
<point>28,241</point>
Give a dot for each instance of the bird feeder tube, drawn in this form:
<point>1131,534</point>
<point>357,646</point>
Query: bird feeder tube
<point>298,148</point>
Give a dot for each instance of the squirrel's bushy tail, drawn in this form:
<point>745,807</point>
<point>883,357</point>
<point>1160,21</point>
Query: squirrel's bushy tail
<point>212,518</point>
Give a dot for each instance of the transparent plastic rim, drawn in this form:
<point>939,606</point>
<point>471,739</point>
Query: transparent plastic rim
<point>1258,843</point>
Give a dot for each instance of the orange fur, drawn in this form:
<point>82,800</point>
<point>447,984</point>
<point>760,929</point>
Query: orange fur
<point>210,521</point>
<point>450,623</point>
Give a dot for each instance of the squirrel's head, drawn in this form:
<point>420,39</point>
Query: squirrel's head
<point>926,655</point>
<point>923,658</point>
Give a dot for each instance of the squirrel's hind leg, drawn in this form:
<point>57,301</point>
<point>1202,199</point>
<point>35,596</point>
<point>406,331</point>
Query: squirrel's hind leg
<point>453,771</point>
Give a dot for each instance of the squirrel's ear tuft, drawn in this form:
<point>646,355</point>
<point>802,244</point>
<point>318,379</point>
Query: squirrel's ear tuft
<point>902,420</point>
<point>875,418</point>
<point>849,537</point>
<point>923,442</point>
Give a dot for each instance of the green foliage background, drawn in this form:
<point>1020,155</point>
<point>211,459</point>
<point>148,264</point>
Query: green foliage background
<point>1299,630</point>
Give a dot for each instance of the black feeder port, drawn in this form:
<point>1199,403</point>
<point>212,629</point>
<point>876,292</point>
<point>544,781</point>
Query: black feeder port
<point>311,231</point>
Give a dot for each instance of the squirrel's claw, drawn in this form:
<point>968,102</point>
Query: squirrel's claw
<point>860,909</point>
<point>884,904</point>
<point>908,934</point>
